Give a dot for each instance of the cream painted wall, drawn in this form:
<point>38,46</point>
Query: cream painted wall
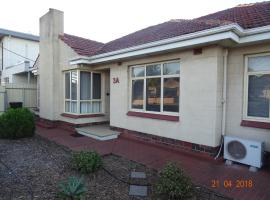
<point>51,25</point>
<point>199,98</point>
<point>235,95</point>
<point>53,61</point>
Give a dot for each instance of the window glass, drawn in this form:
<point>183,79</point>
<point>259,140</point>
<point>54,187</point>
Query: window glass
<point>67,106</point>
<point>137,94</point>
<point>67,85</point>
<point>73,107</point>
<point>96,86</point>
<point>153,70</point>
<point>171,95</point>
<point>137,71</point>
<point>85,107</point>
<point>260,63</point>
<point>146,91</point>
<point>171,68</point>
<point>74,83</point>
<point>153,86</point>
<point>259,96</point>
<point>96,106</point>
<point>85,85</point>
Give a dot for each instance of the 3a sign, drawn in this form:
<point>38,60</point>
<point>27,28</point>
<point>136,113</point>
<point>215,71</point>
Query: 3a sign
<point>115,80</point>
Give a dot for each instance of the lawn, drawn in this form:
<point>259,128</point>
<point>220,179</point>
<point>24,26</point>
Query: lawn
<point>39,166</point>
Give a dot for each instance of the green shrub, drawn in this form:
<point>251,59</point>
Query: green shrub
<point>173,183</point>
<point>86,162</point>
<point>73,189</point>
<point>17,123</point>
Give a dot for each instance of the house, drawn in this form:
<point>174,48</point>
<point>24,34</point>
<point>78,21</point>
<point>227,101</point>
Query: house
<point>181,83</point>
<point>18,51</point>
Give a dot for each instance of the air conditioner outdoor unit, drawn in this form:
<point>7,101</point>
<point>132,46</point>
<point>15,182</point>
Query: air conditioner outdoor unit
<point>245,151</point>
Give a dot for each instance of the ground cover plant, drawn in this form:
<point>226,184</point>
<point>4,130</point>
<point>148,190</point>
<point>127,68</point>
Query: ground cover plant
<point>73,189</point>
<point>174,184</point>
<point>86,161</point>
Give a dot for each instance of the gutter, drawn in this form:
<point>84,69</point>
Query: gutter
<point>231,31</point>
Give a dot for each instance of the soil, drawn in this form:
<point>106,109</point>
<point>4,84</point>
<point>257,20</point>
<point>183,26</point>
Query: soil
<point>35,167</point>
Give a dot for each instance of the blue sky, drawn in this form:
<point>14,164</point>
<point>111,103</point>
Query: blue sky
<point>105,20</point>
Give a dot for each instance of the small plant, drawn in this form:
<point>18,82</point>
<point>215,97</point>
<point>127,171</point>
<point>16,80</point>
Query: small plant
<point>17,123</point>
<point>73,189</point>
<point>86,162</point>
<point>174,184</point>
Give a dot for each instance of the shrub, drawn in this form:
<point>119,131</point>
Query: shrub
<point>73,189</point>
<point>17,123</point>
<point>86,162</point>
<point>173,183</point>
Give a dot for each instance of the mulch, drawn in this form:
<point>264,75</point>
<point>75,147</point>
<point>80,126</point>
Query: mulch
<point>35,167</point>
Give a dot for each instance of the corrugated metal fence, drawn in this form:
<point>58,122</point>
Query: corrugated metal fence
<point>25,93</point>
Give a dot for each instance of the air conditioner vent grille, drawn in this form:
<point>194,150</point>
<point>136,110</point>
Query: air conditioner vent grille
<point>236,149</point>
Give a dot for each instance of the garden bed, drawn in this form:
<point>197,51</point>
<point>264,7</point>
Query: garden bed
<point>40,165</point>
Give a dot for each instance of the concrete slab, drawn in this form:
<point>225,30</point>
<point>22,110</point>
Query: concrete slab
<point>140,175</point>
<point>136,190</point>
<point>98,132</point>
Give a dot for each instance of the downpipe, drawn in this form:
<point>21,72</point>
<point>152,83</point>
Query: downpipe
<point>224,101</point>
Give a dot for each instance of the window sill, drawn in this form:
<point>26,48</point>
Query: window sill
<point>73,116</point>
<point>153,116</point>
<point>255,124</point>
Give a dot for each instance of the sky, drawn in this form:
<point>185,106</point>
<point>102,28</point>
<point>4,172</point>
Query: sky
<point>106,20</point>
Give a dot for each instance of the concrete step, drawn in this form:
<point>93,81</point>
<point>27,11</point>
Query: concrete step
<point>98,132</point>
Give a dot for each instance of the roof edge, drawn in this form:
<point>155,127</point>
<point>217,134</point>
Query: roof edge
<point>20,35</point>
<point>232,31</point>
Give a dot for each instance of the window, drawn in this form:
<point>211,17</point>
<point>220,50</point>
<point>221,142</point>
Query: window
<point>155,87</point>
<point>258,87</point>
<point>82,92</point>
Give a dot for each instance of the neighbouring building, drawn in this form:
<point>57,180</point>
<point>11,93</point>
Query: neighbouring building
<point>181,83</point>
<point>18,52</point>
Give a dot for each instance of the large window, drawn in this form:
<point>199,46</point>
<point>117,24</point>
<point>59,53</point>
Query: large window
<point>258,87</point>
<point>155,87</point>
<point>82,92</point>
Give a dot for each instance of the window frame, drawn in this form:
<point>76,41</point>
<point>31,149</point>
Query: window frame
<point>246,92</point>
<point>144,78</point>
<point>78,100</point>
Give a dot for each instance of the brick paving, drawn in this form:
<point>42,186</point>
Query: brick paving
<point>202,171</point>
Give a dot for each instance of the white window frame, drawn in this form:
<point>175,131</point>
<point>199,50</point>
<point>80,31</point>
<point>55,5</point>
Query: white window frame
<point>161,91</point>
<point>78,101</point>
<point>246,82</point>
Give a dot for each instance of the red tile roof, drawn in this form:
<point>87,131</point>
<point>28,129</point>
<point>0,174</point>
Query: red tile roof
<point>162,31</point>
<point>247,16</point>
<point>81,46</point>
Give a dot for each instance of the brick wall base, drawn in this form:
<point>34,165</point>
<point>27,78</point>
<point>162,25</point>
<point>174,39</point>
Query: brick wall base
<point>45,123</point>
<point>168,142</point>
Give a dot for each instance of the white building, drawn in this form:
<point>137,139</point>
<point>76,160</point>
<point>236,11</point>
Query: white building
<point>18,52</point>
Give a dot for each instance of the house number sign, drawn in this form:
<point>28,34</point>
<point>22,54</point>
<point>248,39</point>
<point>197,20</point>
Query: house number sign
<point>115,80</point>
